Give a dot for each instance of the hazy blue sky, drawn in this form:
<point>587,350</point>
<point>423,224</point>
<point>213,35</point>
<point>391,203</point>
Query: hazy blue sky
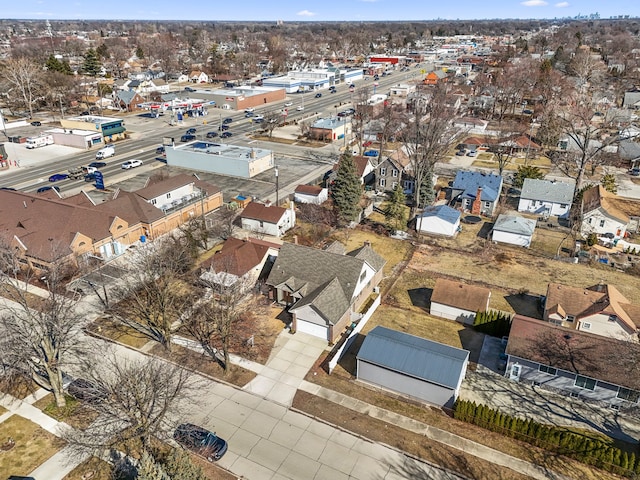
<point>317,10</point>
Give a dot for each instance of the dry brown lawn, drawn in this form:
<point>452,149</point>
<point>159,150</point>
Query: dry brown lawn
<point>118,331</point>
<point>101,470</point>
<point>74,413</point>
<point>33,446</point>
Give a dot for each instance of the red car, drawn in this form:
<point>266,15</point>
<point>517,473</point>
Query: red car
<point>367,144</point>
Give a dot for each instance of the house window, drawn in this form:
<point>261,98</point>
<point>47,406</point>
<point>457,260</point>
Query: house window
<point>585,382</point>
<point>363,276</point>
<point>407,184</point>
<point>168,195</point>
<point>628,394</point>
<point>261,224</point>
<point>589,221</point>
<point>394,185</point>
<point>601,223</point>
<point>547,369</point>
<point>569,318</point>
<point>613,318</point>
<point>382,182</point>
<point>586,326</point>
<point>383,171</point>
<point>394,173</point>
<point>564,206</point>
<point>153,202</point>
<point>487,204</point>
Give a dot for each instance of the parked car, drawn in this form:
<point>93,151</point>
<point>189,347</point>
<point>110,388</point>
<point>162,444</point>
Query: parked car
<point>318,95</point>
<point>200,441</point>
<point>635,172</point>
<point>227,120</point>
<point>56,177</point>
<point>191,131</point>
<point>333,91</point>
<point>131,164</point>
<point>368,143</point>
<point>288,104</point>
<point>460,153</point>
<point>36,123</point>
<point>226,134</point>
<point>212,134</point>
<point>48,187</point>
<point>343,114</point>
<point>472,153</point>
<point>371,153</point>
<point>97,164</point>
<point>86,391</point>
<point>187,137</point>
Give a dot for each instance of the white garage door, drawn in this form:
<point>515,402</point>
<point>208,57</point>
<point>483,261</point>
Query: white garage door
<point>312,329</point>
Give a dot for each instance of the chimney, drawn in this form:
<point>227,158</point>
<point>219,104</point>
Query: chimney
<point>295,239</point>
<point>476,206</point>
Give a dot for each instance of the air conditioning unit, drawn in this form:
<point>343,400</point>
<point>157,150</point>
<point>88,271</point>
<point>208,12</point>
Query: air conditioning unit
<point>376,289</point>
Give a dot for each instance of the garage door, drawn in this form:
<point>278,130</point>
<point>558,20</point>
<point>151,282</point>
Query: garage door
<point>312,329</point>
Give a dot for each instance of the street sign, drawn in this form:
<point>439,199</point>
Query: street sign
<point>99,180</point>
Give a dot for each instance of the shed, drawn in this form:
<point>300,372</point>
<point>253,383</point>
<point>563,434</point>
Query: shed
<point>439,220</point>
<point>513,229</point>
<point>412,366</point>
<point>310,194</point>
<point>458,301</point>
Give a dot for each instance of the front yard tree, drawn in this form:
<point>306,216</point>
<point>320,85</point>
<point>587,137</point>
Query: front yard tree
<point>346,190</point>
<point>396,213</point>
<point>21,76</point>
<point>39,338</point>
<point>154,294</point>
<point>526,171</point>
<point>91,65</point>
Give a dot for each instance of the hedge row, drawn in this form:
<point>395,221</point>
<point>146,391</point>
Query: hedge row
<point>559,440</point>
<point>494,323</point>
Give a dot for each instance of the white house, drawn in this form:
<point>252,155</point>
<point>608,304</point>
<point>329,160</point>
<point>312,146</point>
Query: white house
<point>600,215</point>
<point>458,301</point>
<point>197,76</point>
<point>514,230</point>
<point>310,194</point>
<point>269,220</point>
<point>439,220</point>
<point>546,197</point>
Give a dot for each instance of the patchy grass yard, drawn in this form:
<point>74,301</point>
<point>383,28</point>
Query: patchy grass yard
<point>17,386</point>
<point>118,331</point>
<point>74,413</point>
<point>33,446</point>
<point>97,468</point>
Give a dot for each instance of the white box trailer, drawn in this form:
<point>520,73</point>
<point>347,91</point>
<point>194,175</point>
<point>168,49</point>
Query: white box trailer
<point>40,141</point>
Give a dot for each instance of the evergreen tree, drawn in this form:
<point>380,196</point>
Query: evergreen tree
<point>396,213</point>
<point>91,65</point>
<point>139,52</point>
<point>346,190</point>
<point>179,466</point>
<point>526,171</point>
<point>427,191</point>
<point>609,183</point>
<point>53,64</point>
<point>149,469</point>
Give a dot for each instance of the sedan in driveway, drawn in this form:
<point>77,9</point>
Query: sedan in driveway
<point>200,441</point>
<point>58,176</point>
<point>226,134</point>
<point>131,164</point>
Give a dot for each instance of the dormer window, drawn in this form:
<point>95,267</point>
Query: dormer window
<point>569,318</point>
<point>613,318</point>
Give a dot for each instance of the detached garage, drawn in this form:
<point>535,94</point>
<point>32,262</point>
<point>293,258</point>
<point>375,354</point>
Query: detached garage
<point>513,229</point>
<point>439,220</point>
<point>412,366</point>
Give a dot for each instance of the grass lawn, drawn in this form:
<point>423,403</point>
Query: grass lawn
<point>75,413</point>
<point>17,386</point>
<point>118,331</point>
<point>101,470</point>
<point>33,446</point>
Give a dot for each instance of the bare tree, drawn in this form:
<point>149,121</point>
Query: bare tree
<point>22,76</point>
<point>271,121</point>
<point>39,337</point>
<point>137,399</point>
<point>152,298</point>
<point>224,223</point>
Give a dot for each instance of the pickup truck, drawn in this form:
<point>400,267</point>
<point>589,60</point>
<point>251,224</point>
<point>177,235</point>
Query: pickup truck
<point>76,173</point>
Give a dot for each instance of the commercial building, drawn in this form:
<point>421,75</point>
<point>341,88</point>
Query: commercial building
<point>110,128</point>
<point>220,158</point>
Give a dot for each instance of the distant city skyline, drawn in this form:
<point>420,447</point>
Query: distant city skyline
<point>329,10</point>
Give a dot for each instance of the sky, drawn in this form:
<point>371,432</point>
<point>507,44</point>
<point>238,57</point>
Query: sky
<point>318,10</point>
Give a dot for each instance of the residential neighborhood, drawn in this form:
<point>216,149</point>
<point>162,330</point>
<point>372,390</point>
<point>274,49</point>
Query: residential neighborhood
<point>227,251</point>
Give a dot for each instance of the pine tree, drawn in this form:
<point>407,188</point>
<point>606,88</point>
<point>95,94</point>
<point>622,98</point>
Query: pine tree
<point>149,469</point>
<point>346,191</point>
<point>396,213</point>
<point>427,191</point>
<point>609,183</point>
<point>91,65</point>
<point>179,466</point>
<point>139,52</point>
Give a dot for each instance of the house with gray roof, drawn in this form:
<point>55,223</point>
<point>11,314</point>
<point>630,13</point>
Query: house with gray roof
<point>546,197</point>
<point>477,192</point>
<point>128,100</point>
<point>631,100</point>
<point>513,229</point>
<point>630,151</point>
<point>323,290</point>
<point>439,220</point>
<point>413,366</point>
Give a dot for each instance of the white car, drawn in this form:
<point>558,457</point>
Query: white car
<point>249,110</point>
<point>300,108</point>
<point>131,164</point>
<point>288,104</point>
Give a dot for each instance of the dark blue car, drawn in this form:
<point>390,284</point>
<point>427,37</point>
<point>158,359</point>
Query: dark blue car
<point>58,176</point>
<point>200,441</point>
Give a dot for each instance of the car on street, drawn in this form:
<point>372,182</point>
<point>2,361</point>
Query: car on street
<point>189,89</point>
<point>333,91</point>
<point>248,114</point>
<point>97,164</point>
<point>131,164</point>
<point>299,108</point>
<point>191,131</point>
<point>90,177</point>
<point>288,104</point>
<point>36,123</point>
<point>223,127</point>
<point>56,177</point>
<point>318,95</point>
<point>472,153</point>
<point>212,134</point>
<point>200,441</point>
<point>86,391</point>
<point>187,137</point>
<point>226,134</point>
<point>160,150</point>
<point>227,120</point>
<point>48,187</point>
<point>258,118</point>
<point>249,110</point>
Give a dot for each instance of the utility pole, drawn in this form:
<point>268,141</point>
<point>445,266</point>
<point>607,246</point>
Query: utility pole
<point>277,188</point>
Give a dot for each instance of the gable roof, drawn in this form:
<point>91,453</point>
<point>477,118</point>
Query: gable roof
<point>126,96</point>
<point>444,212</point>
<point>155,188</point>
<point>460,295</point>
<point>237,256</point>
<point>597,197</point>
<point>547,190</point>
<point>514,224</point>
<point>584,353</point>
<point>584,302</point>
<point>258,211</point>
<point>361,163</point>
<point>414,356</point>
<point>469,182</point>
<point>314,190</point>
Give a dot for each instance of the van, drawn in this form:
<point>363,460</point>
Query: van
<point>106,152</point>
